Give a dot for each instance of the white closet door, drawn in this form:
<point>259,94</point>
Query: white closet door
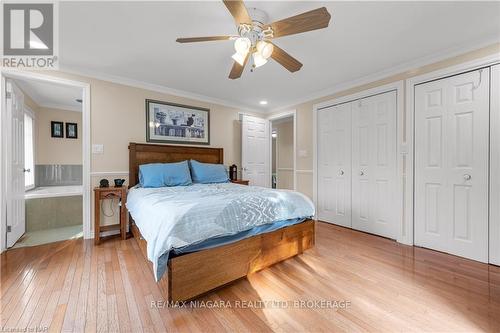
<point>374,165</point>
<point>334,164</point>
<point>255,157</point>
<point>451,165</point>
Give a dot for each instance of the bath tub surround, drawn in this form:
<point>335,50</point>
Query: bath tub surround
<point>53,212</point>
<point>58,174</point>
<point>51,207</point>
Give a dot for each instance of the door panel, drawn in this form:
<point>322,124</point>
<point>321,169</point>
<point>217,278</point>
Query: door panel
<point>15,158</point>
<point>255,151</point>
<point>451,164</point>
<point>374,164</point>
<point>494,253</point>
<point>334,165</point>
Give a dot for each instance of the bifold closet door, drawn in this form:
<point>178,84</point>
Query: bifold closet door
<point>374,189</point>
<point>451,164</point>
<point>334,164</point>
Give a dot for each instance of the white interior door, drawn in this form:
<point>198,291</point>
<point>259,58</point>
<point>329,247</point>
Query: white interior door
<point>494,254</point>
<point>334,164</point>
<point>16,225</point>
<point>451,164</point>
<point>374,162</point>
<point>255,155</point>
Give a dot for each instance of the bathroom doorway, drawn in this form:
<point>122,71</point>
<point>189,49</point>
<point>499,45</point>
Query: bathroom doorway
<point>283,151</point>
<point>45,161</point>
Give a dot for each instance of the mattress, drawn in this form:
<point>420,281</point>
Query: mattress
<point>189,218</point>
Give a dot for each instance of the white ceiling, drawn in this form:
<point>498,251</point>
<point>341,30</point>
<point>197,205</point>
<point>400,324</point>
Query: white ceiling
<point>52,95</point>
<point>136,41</point>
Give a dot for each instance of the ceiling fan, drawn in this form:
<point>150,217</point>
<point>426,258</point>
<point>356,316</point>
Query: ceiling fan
<point>254,35</point>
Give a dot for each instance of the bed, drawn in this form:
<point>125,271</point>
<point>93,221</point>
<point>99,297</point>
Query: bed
<point>193,266</point>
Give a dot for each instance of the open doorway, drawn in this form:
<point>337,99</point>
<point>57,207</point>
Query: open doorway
<point>44,161</point>
<point>283,152</point>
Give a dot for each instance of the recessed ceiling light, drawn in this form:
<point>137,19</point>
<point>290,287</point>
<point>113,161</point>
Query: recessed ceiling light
<point>263,102</point>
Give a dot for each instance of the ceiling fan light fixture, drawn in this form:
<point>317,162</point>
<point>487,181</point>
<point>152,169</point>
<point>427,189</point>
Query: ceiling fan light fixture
<point>258,60</point>
<point>265,49</point>
<point>239,58</point>
<point>254,36</point>
<point>242,45</point>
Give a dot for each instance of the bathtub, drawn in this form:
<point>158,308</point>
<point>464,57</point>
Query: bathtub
<point>54,191</point>
<point>51,207</point>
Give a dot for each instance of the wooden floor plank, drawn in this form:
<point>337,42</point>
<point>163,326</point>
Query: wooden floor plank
<point>102,303</point>
<point>52,304</point>
<point>72,301</point>
<point>76,286</point>
<point>121,300</point>
<point>83,295</point>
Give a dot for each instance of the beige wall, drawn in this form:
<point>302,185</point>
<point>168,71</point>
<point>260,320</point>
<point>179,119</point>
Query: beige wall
<point>304,111</point>
<point>57,150</point>
<point>285,154</point>
<point>50,150</point>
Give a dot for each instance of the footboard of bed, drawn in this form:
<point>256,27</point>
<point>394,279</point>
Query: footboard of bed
<point>196,273</point>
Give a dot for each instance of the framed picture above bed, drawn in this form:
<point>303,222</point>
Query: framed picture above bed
<point>175,123</point>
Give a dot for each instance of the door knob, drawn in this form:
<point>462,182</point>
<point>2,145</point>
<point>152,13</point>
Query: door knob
<point>26,170</point>
<point>467,177</point>
<point>361,173</point>
<point>341,172</point>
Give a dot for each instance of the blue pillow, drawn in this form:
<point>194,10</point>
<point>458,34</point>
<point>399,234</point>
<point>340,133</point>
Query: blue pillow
<point>207,173</point>
<point>164,174</point>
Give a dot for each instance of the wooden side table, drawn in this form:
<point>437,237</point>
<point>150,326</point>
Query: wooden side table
<point>101,193</point>
<point>240,181</point>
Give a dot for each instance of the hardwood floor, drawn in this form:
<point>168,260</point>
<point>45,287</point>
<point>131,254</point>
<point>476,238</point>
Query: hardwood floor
<point>76,286</point>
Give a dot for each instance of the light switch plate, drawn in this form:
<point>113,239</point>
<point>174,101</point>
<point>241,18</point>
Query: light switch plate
<point>97,149</point>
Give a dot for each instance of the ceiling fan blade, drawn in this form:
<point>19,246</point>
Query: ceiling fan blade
<point>239,11</point>
<point>285,60</point>
<point>202,39</point>
<point>237,69</point>
<point>312,20</point>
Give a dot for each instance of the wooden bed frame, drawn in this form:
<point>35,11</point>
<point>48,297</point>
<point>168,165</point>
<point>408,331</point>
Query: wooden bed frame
<point>197,273</point>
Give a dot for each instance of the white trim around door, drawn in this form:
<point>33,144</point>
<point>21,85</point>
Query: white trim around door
<point>281,115</point>
<point>86,158</point>
<point>402,149</point>
<point>410,129</point>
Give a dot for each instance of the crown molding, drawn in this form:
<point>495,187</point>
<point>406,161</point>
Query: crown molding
<point>399,69</point>
<point>156,87</point>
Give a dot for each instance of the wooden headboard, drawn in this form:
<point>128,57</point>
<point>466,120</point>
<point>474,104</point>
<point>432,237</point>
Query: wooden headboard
<point>142,153</point>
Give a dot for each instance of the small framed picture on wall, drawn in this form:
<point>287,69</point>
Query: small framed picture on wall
<point>56,129</point>
<point>71,130</point>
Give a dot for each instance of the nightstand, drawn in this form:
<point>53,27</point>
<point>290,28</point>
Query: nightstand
<point>101,193</point>
<point>240,181</point>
